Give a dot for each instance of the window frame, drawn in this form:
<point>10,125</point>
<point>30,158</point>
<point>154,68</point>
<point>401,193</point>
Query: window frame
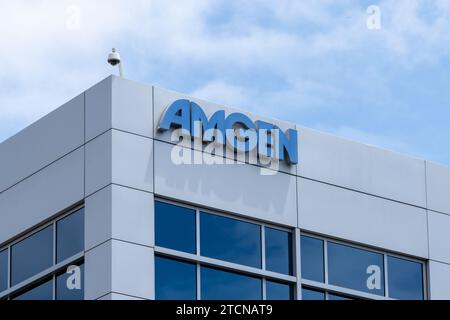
<point>196,225</point>
<point>295,280</point>
<point>200,260</point>
<point>351,293</point>
<point>261,236</point>
<point>50,272</point>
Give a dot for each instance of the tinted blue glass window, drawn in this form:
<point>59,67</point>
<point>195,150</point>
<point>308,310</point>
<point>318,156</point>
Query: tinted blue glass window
<point>218,284</point>
<point>70,235</point>
<point>32,255</point>
<point>312,258</point>
<point>278,251</point>
<point>3,270</point>
<point>405,279</point>
<point>70,283</point>
<point>42,291</point>
<point>278,291</point>
<point>175,227</point>
<point>355,268</point>
<point>308,294</point>
<point>175,280</point>
<point>337,297</point>
<point>230,240</point>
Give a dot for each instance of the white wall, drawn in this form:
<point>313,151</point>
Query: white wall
<point>339,188</point>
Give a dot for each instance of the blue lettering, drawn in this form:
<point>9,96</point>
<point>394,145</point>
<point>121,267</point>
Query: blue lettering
<point>243,123</point>
<point>185,114</point>
<point>288,146</point>
<point>265,143</point>
<point>216,121</point>
<point>177,115</point>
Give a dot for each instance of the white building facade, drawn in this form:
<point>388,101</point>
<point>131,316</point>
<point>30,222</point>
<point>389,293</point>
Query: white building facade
<point>93,206</point>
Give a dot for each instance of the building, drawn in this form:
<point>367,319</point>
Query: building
<point>93,206</point>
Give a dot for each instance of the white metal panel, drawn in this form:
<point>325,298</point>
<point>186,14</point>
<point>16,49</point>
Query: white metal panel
<point>133,270</point>
<point>98,271</point>
<point>132,160</point>
<point>119,267</point>
<point>121,158</point>
<point>362,218</point>
<point>117,296</point>
<point>238,188</point>
<point>132,215</point>
<point>120,213</point>
<point>98,163</point>
<point>438,187</point>
<point>361,167</point>
<point>121,104</point>
<point>439,281</point>
<point>438,232</point>
<point>42,195</point>
<point>42,143</point>
<point>98,218</point>
<point>98,108</point>
<point>132,106</point>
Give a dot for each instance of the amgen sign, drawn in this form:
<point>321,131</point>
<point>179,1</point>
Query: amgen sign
<point>236,130</point>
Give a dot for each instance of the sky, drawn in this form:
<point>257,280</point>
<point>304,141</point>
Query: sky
<point>312,62</point>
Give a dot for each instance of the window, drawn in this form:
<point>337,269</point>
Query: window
<point>174,227</point>
<point>3,270</point>
<point>337,297</point>
<point>42,291</point>
<point>312,294</point>
<point>202,254</point>
<point>312,258</point>
<point>223,285</point>
<point>405,279</point>
<point>309,294</point>
<point>355,268</point>
<point>70,235</point>
<point>278,291</point>
<point>70,283</point>
<point>230,240</point>
<point>32,255</point>
<point>334,270</point>
<point>225,258</point>
<point>47,263</point>
<point>278,250</point>
<point>174,279</point>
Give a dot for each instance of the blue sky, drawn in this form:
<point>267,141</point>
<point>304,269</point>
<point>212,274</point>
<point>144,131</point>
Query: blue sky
<point>311,62</point>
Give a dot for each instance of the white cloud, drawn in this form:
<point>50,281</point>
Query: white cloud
<point>44,63</point>
<point>225,94</point>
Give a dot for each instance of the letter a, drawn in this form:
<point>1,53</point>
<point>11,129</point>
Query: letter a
<point>374,279</point>
<point>374,19</point>
<point>74,280</point>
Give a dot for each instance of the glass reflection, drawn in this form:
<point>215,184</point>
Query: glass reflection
<point>355,268</point>
<point>223,285</point>
<point>70,283</point>
<point>70,235</point>
<point>278,291</point>
<point>336,297</point>
<point>309,294</point>
<point>175,280</point>
<point>32,255</point>
<point>42,291</point>
<point>278,250</point>
<point>230,240</point>
<point>175,227</point>
<point>405,279</point>
<point>312,258</point>
<point>3,270</point>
